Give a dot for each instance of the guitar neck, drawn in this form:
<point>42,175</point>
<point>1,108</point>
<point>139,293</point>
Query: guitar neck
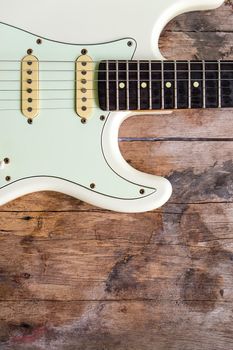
<point>159,85</point>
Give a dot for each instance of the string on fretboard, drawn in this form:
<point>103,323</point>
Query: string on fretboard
<point>153,85</point>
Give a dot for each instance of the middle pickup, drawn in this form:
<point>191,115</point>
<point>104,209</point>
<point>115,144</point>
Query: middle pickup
<point>30,86</point>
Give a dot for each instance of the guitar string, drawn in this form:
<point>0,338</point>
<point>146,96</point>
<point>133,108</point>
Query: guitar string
<point>112,80</point>
<point>114,71</point>
<point>114,88</point>
<point>124,61</point>
<point>110,110</point>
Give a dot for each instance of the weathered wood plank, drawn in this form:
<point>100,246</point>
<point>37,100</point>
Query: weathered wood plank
<point>198,124</point>
<point>115,325</point>
<point>219,20</point>
<point>197,45</point>
<point>174,270</point>
<point>157,255</point>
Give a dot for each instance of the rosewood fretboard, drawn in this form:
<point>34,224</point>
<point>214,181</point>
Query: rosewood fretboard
<point>152,85</point>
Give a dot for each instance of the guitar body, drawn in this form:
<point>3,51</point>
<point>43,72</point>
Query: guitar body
<point>57,151</point>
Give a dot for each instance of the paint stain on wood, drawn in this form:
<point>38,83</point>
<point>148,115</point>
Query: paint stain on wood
<point>215,181</point>
<point>200,290</point>
<point>120,278</point>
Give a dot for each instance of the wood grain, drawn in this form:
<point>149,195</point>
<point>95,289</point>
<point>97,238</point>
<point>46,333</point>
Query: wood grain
<point>75,277</point>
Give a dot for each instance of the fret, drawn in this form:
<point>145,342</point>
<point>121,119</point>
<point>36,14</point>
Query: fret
<point>117,86</point>
<point>139,90</point>
<point>212,84</point>
<point>112,77</point>
<point>127,85</point>
<point>175,88</point>
<point>196,68</point>
<point>150,85</point>
<point>122,85</point>
<point>182,84</point>
<point>156,84</point>
<point>162,78</point>
<point>189,85</point>
<point>219,85</point>
<point>227,83</point>
<point>102,86</point>
<point>144,85</point>
<point>107,84</point>
<point>133,86</point>
<point>169,85</point>
<point>204,84</point>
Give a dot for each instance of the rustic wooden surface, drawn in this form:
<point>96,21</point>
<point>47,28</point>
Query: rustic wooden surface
<point>74,277</point>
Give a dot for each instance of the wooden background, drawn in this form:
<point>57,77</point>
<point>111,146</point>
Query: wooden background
<point>76,277</point>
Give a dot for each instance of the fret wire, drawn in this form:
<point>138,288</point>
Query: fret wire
<point>127,84</point>
<point>219,85</point>
<point>117,85</point>
<point>162,79</point>
<point>189,85</point>
<point>175,73</point>
<point>139,90</point>
<point>204,85</point>
<point>107,85</point>
<point>150,85</point>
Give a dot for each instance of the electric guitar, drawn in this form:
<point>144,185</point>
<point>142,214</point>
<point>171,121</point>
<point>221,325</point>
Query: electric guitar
<point>61,104</point>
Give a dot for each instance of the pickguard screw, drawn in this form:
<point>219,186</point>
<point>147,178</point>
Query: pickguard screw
<point>29,51</point>
<point>83,120</point>
<point>29,121</point>
<point>39,41</point>
<point>130,43</point>
<point>84,51</point>
<point>102,117</point>
<point>6,160</point>
<point>92,186</point>
<point>142,191</point>
<point>7,178</point>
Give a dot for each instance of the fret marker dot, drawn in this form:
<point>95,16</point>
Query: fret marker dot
<point>143,85</point>
<point>168,85</point>
<point>196,84</point>
<point>122,85</point>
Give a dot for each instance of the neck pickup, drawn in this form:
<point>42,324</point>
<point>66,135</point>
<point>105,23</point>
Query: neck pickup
<point>158,85</point>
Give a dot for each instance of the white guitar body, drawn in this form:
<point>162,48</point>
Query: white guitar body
<point>57,152</point>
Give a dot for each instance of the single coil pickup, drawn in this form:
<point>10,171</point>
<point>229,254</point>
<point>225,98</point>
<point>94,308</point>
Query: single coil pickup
<point>30,86</point>
<point>84,86</point>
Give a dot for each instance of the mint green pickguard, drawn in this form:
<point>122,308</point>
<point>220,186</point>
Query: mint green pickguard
<point>57,144</point>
